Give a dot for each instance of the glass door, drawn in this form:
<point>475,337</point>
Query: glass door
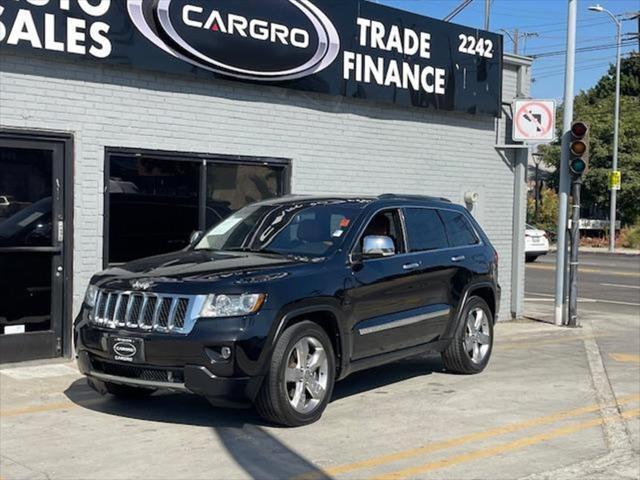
<point>31,240</point>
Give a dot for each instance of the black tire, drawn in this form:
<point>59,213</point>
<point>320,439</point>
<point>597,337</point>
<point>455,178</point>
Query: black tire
<point>455,357</point>
<point>531,258</point>
<point>127,392</point>
<point>272,402</point>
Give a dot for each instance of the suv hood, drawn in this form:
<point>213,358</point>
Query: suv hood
<point>201,265</point>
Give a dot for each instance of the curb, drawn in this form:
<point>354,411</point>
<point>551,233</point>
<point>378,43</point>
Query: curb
<point>621,454</point>
<point>604,252</point>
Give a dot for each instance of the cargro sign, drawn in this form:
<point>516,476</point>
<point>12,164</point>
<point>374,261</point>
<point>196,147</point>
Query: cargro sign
<point>352,48</point>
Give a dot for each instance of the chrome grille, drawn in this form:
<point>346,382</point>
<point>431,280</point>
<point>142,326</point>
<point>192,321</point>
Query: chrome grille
<point>146,311</point>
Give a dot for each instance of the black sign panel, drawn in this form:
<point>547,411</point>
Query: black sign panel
<point>352,48</point>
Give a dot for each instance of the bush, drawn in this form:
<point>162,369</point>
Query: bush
<point>547,213</point>
<point>630,236</point>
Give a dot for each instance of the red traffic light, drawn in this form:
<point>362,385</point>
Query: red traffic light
<point>579,129</point>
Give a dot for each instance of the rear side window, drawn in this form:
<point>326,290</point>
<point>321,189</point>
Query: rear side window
<point>459,231</point>
<point>425,230</point>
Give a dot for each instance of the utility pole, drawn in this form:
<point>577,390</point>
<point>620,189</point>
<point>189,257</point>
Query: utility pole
<point>525,36</point>
<point>516,36</point>
<point>563,194</point>
<point>487,13</point>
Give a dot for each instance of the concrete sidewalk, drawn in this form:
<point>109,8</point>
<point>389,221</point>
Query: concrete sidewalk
<point>554,403</point>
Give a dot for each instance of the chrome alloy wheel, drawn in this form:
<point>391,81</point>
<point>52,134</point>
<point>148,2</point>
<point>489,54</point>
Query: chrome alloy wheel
<point>306,375</point>
<point>477,339</point>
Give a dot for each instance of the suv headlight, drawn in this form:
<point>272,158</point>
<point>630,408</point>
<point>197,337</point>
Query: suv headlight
<point>90,296</point>
<point>218,306</point>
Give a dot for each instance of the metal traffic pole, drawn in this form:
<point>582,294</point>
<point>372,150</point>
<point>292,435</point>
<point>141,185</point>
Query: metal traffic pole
<point>616,137</point>
<point>563,194</point>
<point>573,320</point>
<point>616,123</point>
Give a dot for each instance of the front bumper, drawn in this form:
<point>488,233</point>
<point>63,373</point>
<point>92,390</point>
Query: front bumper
<point>197,379</point>
<point>190,363</point>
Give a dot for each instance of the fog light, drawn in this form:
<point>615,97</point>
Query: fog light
<point>225,353</point>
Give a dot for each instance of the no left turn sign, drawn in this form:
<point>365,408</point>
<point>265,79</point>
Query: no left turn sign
<point>534,121</point>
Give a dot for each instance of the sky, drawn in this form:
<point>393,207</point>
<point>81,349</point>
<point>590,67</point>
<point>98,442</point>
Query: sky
<point>547,19</point>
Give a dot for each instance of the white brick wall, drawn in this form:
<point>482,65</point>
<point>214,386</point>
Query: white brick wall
<point>336,145</point>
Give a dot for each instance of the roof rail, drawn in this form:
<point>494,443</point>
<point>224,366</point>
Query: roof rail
<point>388,196</point>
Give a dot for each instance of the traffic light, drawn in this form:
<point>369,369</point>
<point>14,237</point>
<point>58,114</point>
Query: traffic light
<point>579,149</point>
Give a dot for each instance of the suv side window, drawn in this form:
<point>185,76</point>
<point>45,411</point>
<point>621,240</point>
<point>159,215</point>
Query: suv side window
<point>385,223</point>
<point>459,231</point>
<point>425,230</point>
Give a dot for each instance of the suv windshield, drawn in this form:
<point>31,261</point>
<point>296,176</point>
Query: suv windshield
<point>307,228</point>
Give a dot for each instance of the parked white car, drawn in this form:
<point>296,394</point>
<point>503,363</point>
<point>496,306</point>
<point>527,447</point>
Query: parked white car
<point>536,243</point>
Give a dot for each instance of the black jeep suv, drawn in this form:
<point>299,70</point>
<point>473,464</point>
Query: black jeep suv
<point>284,297</point>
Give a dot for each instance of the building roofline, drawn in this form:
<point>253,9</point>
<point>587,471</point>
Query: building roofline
<point>513,59</point>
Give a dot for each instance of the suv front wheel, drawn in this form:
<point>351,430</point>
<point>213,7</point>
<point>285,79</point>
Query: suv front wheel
<point>301,375</point>
<point>471,347</point>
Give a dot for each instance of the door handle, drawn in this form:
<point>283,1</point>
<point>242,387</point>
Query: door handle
<point>411,266</point>
<point>458,258</point>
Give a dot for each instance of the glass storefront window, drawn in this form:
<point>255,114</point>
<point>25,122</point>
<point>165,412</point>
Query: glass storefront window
<point>153,206</point>
<point>26,204</point>
<point>232,186</point>
<point>156,202</point>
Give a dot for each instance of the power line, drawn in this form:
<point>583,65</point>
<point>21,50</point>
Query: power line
<point>549,75</point>
<point>598,61</point>
<point>541,29</point>
<point>583,49</point>
<point>561,70</point>
<point>590,40</point>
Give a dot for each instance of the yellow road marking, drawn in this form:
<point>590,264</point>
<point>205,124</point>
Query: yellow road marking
<point>45,408</point>
<point>456,442</point>
<point>625,357</point>
<point>505,447</point>
<point>588,270</point>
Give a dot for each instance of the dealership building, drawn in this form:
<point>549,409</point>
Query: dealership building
<point>125,126</point>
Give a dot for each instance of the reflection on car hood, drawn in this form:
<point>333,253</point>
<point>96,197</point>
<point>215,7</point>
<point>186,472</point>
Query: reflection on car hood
<point>198,265</point>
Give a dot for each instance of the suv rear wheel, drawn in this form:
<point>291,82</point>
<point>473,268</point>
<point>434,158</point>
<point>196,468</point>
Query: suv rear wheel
<point>471,347</point>
<point>301,375</point>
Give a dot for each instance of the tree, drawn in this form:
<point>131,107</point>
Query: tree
<point>547,211</point>
<point>595,107</point>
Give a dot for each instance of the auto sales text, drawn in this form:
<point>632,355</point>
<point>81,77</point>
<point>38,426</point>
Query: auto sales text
<point>58,31</point>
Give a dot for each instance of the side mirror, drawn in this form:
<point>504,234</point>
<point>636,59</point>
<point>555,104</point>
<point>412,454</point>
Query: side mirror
<point>378,246</point>
<point>196,236</point>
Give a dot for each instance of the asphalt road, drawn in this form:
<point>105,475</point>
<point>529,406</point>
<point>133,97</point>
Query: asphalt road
<point>607,283</point>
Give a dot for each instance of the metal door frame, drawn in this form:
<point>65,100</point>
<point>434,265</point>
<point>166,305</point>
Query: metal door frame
<point>62,301</point>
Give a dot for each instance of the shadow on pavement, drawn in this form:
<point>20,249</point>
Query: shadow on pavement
<point>254,449</point>
<point>379,377</point>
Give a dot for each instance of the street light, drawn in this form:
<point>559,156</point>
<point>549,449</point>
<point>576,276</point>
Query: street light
<point>612,216</point>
